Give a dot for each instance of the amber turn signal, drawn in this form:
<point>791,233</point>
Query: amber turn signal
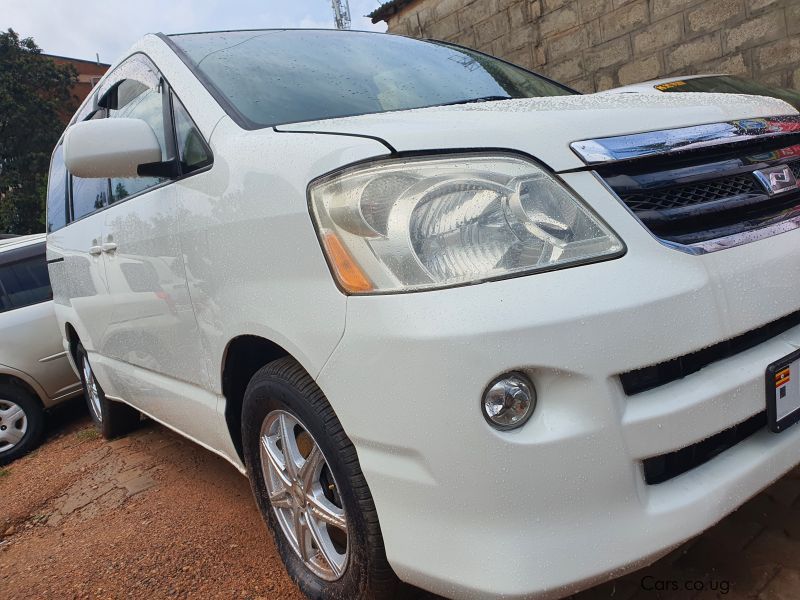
<point>350,276</point>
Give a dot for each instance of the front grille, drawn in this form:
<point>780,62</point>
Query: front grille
<point>641,380</point>
<point>697,200</point>
<point>689,195</point>
<point>667,466</point>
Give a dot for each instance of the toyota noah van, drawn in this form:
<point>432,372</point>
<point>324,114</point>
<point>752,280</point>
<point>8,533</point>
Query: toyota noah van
<point>461,327</point>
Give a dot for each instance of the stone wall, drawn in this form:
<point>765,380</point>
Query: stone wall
<point>594,45</point>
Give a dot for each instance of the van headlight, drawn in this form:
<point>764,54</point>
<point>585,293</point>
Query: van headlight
<point>423,223</point>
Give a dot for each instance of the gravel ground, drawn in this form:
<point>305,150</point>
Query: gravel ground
<point>147,516</point>
<point>155,516</point>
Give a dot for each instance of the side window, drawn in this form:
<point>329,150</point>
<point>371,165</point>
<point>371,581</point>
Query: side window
<point>57,192</point>
<point>192,150</point>
<point>134,90</point>
<point>134,99</point>
<point>88,195</point>
<point>26,282</point>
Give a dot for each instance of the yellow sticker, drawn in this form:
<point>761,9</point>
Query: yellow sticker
<point>670,85</point>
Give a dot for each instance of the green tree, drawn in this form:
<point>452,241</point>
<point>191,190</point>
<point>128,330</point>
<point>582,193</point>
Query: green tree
<point>35,100</point>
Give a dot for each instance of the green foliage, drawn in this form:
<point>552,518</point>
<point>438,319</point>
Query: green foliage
<point>35,101</point>
<point>90,433</point>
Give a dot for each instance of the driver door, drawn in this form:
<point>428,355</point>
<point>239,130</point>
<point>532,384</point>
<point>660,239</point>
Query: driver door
<point>152,341</point>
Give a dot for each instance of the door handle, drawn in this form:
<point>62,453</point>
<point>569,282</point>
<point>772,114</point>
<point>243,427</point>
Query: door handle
<point>95,250</point>
<point>109,247</point>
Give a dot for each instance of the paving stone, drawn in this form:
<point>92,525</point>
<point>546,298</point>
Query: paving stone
<point>133,459</point>
<point>89,459</point>
<point>140,484</point>
<point>776,547</point>
<point>785,586</point>
<point>720,544</point>
<point>128,475</point>
<point>120,443</point>
<point>785,492</point>
<point>85,496</point>
<point>760,509</point>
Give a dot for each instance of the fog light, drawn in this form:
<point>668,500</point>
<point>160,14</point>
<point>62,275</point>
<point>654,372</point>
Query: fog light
<point>509,401</point>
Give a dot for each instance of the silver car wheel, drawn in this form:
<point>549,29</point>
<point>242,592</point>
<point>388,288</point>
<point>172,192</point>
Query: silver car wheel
<point>92,392</point>
<point>304,495</point>
<point>13,424</point>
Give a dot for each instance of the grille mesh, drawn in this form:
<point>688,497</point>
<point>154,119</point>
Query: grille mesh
<point>689,195</point>
<point>689,213</point>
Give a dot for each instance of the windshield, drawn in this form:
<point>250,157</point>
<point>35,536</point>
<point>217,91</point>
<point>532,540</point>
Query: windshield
<point>726,84</point>
<point>266,78</point>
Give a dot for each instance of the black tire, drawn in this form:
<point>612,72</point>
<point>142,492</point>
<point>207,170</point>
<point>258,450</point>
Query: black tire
<point>284,385</point>
<point>112,419</point>
<point>34,416</point>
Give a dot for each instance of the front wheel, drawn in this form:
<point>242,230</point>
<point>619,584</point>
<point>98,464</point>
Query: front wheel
<point>308,484</point>
<point>111,418</point>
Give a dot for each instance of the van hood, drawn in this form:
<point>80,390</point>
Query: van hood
<point>545,127</point>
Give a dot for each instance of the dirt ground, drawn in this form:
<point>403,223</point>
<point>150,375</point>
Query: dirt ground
<point>155,516</point>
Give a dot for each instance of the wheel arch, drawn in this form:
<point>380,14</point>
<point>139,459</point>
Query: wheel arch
<point>73,340</point>
<point>20,379</point>
<point>243,357</point>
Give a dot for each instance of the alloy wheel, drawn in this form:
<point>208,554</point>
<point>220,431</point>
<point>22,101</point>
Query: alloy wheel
<point>92,391</point>
<point>304,495</point>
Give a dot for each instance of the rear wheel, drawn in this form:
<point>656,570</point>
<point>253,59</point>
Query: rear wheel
<point>306,479</point>
<point>112,419</point>
<point>21,422</point>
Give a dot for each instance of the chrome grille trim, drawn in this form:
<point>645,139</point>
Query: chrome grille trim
<point>666,142</point>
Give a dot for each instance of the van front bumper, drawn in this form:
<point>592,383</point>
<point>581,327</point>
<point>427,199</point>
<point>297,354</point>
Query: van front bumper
<point>467,511</point>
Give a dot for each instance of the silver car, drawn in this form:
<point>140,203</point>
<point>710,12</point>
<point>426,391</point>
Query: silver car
<point>35,373</point>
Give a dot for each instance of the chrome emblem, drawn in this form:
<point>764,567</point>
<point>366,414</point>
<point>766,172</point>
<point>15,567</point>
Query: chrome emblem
<point>777,179</point>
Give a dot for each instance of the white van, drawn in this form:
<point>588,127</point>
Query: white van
<point>461,326</point>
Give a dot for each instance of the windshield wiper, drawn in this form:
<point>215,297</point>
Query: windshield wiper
<point>481,99</point>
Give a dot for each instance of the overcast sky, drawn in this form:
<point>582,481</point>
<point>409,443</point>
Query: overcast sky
<point>82,28</point>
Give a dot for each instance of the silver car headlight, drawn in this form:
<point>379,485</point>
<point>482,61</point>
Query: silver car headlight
<point>422,223</point>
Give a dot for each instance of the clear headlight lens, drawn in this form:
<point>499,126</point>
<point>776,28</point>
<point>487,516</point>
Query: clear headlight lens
<point>414,224</point>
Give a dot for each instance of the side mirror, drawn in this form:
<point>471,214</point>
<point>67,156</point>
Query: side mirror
<point>110,148</point>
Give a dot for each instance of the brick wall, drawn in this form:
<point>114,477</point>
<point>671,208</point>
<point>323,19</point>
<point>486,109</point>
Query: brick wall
<point>89,73</point>
<point>598,44</point>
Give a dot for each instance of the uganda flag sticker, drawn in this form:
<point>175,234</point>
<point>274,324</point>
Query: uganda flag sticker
<point>782,377</point>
